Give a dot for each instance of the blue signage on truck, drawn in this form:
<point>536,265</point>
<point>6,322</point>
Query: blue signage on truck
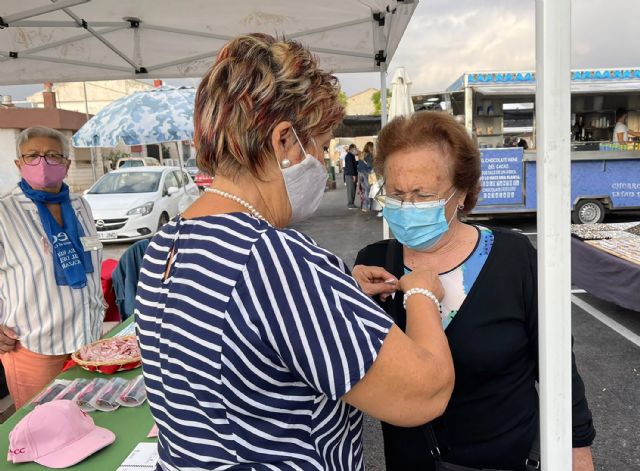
<point>502,177</point>
<point>600,180</point>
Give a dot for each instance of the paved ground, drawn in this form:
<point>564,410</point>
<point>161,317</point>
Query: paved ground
<point>608,362</point>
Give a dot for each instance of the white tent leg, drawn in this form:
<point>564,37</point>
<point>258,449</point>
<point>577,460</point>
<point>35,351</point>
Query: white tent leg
<point>553,108</point>
<point>383,121</point>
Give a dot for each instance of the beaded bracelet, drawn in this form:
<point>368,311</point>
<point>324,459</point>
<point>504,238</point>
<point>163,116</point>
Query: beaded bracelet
<point>424,292</point>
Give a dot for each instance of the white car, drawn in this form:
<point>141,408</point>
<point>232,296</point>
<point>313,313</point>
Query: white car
<point>133,203</point>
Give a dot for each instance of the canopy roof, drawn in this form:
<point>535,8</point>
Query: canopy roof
<point>82,40</point>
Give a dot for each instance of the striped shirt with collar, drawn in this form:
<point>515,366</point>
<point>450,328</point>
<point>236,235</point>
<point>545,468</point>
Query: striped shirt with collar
<point>49,319</point>
<point>248,346</point>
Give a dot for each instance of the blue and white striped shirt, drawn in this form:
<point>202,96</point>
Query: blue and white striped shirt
<point>49,319</point>
<point>248,346</point>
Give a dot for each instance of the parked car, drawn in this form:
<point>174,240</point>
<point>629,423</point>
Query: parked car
<point>133,203</point>
<point>130,162</point>
<point>191,167</point>
<point>203,180</point>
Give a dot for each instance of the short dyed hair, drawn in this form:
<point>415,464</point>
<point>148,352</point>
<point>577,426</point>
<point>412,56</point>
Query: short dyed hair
<point>43,131</point>
<point>256,82</point>
<point>430,128</point>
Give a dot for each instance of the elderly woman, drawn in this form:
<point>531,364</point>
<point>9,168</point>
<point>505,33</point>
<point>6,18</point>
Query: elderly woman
<point>431,171</point>
<point>258,349</point>
<point>50,293</point>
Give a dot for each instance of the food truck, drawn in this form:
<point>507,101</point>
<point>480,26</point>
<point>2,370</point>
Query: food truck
<point>498,109</point>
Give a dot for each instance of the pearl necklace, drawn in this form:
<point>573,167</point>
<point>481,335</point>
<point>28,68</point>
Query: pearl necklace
<point>254,212</point>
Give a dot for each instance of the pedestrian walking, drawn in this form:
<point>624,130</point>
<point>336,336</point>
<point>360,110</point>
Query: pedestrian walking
<point>365,174</point>
<point>259,350</point>
<point>351,175</point>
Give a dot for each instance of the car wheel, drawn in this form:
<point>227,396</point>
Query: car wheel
<point>164,218</point>
<point>588,212</point>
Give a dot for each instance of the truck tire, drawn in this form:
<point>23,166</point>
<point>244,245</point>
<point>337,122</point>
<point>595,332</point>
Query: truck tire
<point>588,212</point>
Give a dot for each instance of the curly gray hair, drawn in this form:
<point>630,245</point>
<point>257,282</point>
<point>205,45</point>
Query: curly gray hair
<point>43,131</point>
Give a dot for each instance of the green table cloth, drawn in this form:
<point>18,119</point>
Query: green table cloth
<point>131,426</point>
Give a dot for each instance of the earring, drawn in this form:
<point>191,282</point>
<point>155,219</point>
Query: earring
<point>460,207</point>
<point>286,163</point>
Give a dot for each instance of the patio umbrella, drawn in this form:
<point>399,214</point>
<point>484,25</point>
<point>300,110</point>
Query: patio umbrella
<point>147,117</point>
<point>152,116</point>
<point>401,104</point>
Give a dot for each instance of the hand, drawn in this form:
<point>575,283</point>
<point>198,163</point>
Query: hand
<point>375,281</point>
<point>582,459</point>
<point>354,178</point>
<point>422,278</point>
<point>7,339</point>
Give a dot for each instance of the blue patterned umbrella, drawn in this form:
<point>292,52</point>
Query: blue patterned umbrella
<point>148,117</point>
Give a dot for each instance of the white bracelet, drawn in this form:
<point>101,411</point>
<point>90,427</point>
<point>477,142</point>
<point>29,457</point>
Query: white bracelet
<point>424,292</point>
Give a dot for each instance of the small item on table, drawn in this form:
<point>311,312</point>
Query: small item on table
<point>134,394</point>
<point>50,392</point>
<point>85,398</point>
<point>70,392</point>
<point>107,399</point>
<point>110,355</point>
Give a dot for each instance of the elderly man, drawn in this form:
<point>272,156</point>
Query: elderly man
<point>50,293</point>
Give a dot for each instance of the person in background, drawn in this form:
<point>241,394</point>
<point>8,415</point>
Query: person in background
<point>621,132</point>
<point>258,348</point>
<point>523,143</point>
<point>351,175</point>
<point>51,300</point>
<point>365,168</point>
<point>343,154</point>
<point>431,170</point>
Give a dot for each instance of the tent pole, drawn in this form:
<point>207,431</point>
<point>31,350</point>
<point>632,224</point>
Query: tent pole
<point>383,122</point>
<point>553,113</point>
<point>93,149</point>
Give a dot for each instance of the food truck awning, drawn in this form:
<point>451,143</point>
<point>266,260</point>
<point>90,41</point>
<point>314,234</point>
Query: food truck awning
<point>524,82</point>
<point>83,40</point>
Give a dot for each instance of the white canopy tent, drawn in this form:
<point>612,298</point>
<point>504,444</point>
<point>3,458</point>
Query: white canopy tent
<point>82,40</point>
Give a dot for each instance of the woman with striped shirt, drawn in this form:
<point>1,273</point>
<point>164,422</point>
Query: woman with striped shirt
<point>259,349</point>
<point>50,293</point>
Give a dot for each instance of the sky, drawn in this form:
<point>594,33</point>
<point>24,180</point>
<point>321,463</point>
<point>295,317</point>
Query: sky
<point>446,38</point>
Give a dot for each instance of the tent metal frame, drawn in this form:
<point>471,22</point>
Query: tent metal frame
<point>100,31</point>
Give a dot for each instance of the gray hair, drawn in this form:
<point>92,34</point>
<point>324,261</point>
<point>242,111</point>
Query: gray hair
<point>43,131</point>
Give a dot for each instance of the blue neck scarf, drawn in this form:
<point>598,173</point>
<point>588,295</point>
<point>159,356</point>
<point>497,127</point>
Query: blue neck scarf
<point>71,263</point>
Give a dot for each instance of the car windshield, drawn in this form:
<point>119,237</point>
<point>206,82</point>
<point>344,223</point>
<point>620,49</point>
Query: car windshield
<point>132,163</point>
<point>127,182</point>
<point>191,163</point>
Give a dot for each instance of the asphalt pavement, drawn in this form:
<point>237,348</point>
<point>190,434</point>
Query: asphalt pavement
<point>608,355</point>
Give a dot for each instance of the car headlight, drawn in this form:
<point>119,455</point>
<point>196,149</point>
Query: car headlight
<point>141,210</point>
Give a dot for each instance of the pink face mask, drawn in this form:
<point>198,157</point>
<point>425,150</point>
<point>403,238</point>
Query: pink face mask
<point>43,175</point>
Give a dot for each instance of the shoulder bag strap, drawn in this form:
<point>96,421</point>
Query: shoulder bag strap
<point>532,463</point>
<point>390,265</point>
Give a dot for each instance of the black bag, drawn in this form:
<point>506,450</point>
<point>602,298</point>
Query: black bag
<point>532,463</point>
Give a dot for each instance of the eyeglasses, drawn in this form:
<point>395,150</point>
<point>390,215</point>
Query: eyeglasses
<point>416,200</point>
<point>51,158</point>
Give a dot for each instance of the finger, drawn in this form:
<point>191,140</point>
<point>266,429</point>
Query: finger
<point>373,289</point>
<point>377,274</point>
<point>8,332</point>
<point>6,340</point>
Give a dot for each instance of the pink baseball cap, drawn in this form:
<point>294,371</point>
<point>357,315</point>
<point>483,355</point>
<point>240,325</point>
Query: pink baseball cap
<point>56,435</point>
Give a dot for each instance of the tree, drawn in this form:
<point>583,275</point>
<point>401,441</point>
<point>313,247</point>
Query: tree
<point>375,98</point>
<point>342,98</point>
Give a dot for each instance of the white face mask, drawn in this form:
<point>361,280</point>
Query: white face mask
<point>305,183</point>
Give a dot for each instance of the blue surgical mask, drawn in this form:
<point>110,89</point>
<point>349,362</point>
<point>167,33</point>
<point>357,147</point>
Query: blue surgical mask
<point>418,226</point>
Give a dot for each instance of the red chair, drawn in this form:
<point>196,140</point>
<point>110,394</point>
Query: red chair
<point>112,314</point>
